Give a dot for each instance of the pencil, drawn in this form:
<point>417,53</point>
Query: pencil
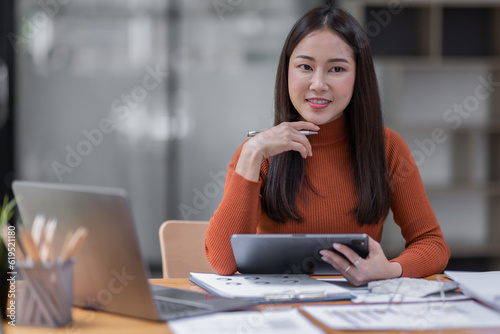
<point>307,133</point>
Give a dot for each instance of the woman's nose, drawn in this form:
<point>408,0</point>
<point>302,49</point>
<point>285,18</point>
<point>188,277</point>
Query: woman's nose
<point>318,82</point>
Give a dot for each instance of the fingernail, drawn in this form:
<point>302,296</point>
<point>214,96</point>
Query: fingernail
<point>310,153</point>
<point>322,252</point>
<point>336,245</point>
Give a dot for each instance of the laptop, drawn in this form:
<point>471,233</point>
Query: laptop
<point>291,253</point>
<point>109,273</point>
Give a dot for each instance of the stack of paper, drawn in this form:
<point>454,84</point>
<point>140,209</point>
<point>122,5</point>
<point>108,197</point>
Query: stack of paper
<point>483,286</point>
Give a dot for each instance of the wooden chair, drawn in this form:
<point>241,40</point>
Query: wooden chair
<point>182,248</point>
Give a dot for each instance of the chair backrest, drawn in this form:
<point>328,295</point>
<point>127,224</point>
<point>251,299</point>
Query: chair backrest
<point>183,248</point>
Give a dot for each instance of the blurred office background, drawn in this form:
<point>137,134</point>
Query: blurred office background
<point>154,96</point>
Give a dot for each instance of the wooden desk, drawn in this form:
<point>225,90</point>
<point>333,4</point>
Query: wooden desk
<point>91,322</point>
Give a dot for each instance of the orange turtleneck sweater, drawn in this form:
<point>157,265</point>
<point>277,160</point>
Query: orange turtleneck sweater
<point>328,170</point>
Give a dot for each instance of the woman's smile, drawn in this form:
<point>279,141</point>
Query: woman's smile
<point>318,103</point>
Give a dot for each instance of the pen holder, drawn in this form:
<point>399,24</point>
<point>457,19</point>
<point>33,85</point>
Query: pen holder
<point>46,297</point>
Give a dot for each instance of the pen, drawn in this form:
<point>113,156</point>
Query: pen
<point>307,133</point>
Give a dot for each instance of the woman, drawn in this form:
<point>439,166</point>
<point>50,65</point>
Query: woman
<point>343,179</point>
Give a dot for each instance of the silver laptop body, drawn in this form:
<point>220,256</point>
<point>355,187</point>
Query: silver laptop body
<point>109,272</point>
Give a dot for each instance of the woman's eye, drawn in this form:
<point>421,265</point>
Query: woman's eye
<point>305,67</point>
<point>337,69</point>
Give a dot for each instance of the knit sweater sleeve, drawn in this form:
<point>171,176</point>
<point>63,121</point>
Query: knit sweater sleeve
<point>426,251</point>
<point>238,212</point>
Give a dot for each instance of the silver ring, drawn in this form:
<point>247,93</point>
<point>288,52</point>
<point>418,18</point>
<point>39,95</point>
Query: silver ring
<point>356,263</point>
<point>347,269</point>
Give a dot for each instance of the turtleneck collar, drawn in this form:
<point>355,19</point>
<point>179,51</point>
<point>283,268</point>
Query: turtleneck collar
<point>331,132</point>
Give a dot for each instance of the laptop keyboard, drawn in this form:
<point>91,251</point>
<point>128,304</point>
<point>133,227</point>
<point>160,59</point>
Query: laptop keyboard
<point>167,307</point>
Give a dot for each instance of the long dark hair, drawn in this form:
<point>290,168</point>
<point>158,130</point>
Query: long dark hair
<point>286,172</point>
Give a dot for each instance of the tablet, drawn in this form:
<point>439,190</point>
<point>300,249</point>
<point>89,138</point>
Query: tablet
<point>290,253</point>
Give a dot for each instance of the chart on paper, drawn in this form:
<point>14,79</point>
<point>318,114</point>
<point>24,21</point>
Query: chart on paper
<point>408,316</point>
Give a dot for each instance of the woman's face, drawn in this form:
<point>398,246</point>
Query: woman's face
<point>321,77</point>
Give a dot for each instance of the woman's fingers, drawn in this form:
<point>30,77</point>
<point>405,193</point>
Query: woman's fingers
<point>285,137</point>
<point>351,255</point>
<point>302,125</point>
<point>359,271</point>
<point>351,269</point>
<point>281,138</point>
<point>335,260</point>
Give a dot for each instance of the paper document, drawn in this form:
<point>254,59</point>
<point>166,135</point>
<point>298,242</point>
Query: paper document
<point>483,286</point>
<point>267,322</point>
<point>407,316</point>
<point>270,288</point>
<point>366,296</point>
<point>411,287</point>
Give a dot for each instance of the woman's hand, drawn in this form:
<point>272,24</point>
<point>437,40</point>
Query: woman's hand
<point>281,138</point>
<point>360,271</point>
